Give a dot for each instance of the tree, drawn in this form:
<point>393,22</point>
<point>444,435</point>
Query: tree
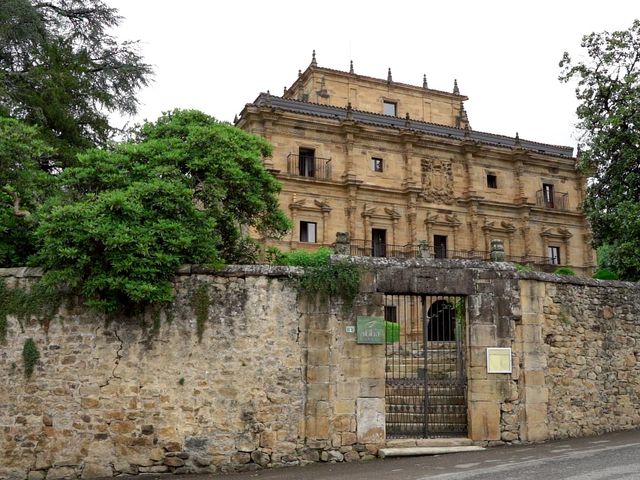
<point>61,70</point>
<point>181,191</point>
<point>23,186</point>
<point>608,88</point>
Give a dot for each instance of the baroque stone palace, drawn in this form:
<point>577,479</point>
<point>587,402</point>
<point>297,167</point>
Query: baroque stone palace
<point>399,168</point>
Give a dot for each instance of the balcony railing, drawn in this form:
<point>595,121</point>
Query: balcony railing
<point>555,200</point>
<point>309,166</point>
<point>362,248</point>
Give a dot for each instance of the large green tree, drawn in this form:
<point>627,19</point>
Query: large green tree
<point>62,69</point>
<point>608,88</point>
<point>185,189</point>
<point>23,187</point>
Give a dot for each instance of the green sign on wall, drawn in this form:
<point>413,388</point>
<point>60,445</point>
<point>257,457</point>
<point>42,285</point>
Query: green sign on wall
<point>370,330</point>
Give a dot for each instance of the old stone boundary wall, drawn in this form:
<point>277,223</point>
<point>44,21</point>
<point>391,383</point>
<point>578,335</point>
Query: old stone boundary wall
<point>276,380</point>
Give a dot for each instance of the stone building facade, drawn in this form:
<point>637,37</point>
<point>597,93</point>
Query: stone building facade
<point>395,164</point>
<point>241,374</point>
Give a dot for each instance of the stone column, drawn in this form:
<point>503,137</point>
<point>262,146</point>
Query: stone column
<point>497,250</point>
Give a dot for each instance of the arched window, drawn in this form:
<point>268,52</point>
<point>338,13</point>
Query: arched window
<point>442,321</point>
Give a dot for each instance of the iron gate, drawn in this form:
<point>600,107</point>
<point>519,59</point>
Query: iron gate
<point>425,386</point>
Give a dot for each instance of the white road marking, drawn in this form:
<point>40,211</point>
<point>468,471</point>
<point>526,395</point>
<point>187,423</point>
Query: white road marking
<point>576,454</point>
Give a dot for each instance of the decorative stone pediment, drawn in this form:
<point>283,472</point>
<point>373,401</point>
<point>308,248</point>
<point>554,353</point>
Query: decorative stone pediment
<point>384,212</point>
<point>303,204</point>
<point>560,232</point>
<point>502,227</point>
<point>437,180</point>
<point>446,219</point>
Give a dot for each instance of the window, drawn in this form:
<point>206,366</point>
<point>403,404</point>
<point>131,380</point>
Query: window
<point>547,194</point>
<point>389,108</point>
<point>391,313</point>
<point>492,180</point>
<point>376,164</point>
<point>554,255</point>
<point>440,246</point>
<point>379,242</point>
<point>308,232</point>
<point>307,162</point>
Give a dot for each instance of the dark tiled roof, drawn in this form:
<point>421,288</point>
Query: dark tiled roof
<point>328,111</point>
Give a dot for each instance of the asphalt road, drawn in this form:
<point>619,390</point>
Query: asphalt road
<point>609,457</point>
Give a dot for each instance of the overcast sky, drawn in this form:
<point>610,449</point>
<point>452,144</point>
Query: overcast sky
<point>217,56</point>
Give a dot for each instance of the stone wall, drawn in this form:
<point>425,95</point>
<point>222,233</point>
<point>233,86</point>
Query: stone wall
<point>586,336</point>
<point>272,382</point>
<point>277,380</point>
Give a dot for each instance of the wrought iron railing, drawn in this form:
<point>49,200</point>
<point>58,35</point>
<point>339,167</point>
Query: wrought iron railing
<point>555,200</point>
<point>309,166</point>
<point>362,248</point>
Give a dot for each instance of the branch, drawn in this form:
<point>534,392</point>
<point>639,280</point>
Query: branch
<point>16,204</point>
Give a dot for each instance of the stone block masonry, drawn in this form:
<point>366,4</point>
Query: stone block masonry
<point>276,380</point>
<point>141,395</point>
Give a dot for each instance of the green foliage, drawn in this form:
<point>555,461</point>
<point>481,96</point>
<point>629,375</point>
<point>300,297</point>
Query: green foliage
<point>62,70</point>
<point>321,278</point>
<point>200,303</point>
<point>181,191</point>
<point>303,258</point>
<point>605,274</point>
<point>608,89</point>
<point>41,302</point>
<point>181,381</point>
<point>23,187</point>
<point>391,332</point>
<point>523,268</point>
<point>564,271</point>
<point>30,356</point>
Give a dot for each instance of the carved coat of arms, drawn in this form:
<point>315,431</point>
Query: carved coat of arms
<point>437,181</point>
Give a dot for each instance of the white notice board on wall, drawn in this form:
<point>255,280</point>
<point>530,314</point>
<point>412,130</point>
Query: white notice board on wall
<point>499,360</point>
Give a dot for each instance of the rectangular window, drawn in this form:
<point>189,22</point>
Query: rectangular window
<point>547,194</point>
<point>307,162</point>
<point>376,164</point>
<point>308,232</point>
<point>554,255</point>
<point>440,246</point>
<point>391,313</point>
<point>389,108</point>
<point>379,242</point>
<point>492,180</point>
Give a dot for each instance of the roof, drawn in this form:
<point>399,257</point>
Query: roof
<point>338,113</point>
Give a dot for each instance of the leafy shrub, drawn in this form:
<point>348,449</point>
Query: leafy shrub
<point>523,268</point>
<point>564,271</point>
<point>605,274</point>
<point>321,277</point>
<point>391,332</point>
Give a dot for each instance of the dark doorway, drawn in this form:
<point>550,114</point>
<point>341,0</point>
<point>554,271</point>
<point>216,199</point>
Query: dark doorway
<point>442,321</point>
<point>307,162</point>
<point>440,246</point>
<point>379,242</point>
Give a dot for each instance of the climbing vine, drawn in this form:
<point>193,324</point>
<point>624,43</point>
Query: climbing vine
<point>30,355</point>
<point>41,302</point>
<point>321,279</point>
<point>200,303</point>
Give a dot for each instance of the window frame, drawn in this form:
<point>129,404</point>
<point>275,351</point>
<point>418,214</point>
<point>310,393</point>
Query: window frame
<point>492,181</point>
<point>553,254</point>
<point>377,164</point>
<point>304,227</point>
<point>385,103</point>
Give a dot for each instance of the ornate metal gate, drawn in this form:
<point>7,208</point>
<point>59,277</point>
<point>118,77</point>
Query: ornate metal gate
<point>425,377</point>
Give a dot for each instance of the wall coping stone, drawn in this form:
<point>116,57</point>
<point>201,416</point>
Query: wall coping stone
<point>576,280</point>
<point>382,262</point>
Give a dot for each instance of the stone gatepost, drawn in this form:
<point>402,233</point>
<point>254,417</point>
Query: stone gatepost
<point>497,250</point>
<point>423,249</point>
<point>343,244</point>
